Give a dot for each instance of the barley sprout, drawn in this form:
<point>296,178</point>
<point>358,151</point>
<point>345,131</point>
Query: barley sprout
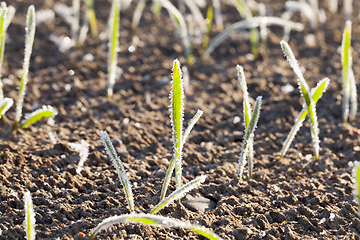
<point>249,134</point>
<point>179,193</point>
<point>172,162</point>
<point>114,24</point>
<point>29,222</point>
<point>29,40</point>
<point>154,220</point>
<point>37,115</point>
<point>110,150</point>
<point>356,187</point>
<point>306,93</point>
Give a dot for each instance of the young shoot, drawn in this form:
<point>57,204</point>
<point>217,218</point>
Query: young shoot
<point>37,115</point>
<point>110,151</point>
<point>114,23</point>
<point>179,193</point>
<point>172,162</point>
<point>179,21</point>
<point>249,135</point>
<point>83,149</point>
<point>348,79</point>
<point>5,104</point>
<point>176,116</point>
<point>29,222</point>
<point>209,18</point>
<point>251,23</point>
<point>309,102</point>
<point>356,187</point>
<point>153,220</point>
<point>247,114</point>
<point>29,40</point>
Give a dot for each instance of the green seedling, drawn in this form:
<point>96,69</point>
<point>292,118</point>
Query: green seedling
<point>83,149</point>
<point>29,40</point>
<point>37,115</point>
<point>137,16</point>
<point>179,21</point>
<point>176,116</point>
<point>356,187</point>
<point>249,135</point>
<point>195,11</point>
<point>29,222</point>
<point>89,19</point>
<point>251,23</point>
<point>218,15</point>
<point>114,24</point>
<point>179,193</point>
<point>309,102</point>
<point>245,12</point>
<point>172,162</point>
<point>316,94</point>
<point>90,15</point>
<point>153,220</point>
<point>6,14</point>
<point>348,79</point>
<point>110,151</point>
<point>209,18</point>
<point>247,114</point>
<point>5,104</point>
<point>156,7</point>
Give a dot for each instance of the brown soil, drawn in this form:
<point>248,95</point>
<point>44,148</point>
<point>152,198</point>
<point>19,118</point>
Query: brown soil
<point>293,198</point>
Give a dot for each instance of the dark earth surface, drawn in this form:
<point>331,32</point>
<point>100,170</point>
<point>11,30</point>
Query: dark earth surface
<point>297,197</point>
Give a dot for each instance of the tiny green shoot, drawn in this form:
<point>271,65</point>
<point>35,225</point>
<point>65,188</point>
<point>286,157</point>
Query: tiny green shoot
<point>110,150</point>
<point>172,162</point>
<point>209,18</point>
<point>5,104</point>
<point>247,114</point>
<point>356,179</point>
<point>218,16</point>
<point>137,16</point>
<point>29,222</point>
<point>249,134</point>
<point>179,21</point>
<point>179,193</point>
<point>154,220</point>
<point>245,12</point>
<point>29,40</point>
<point>37,115</point>
<point>316,95</point>
<point>306,93</point>
<point>251,23</point>
<point>114,23</point>
<point>90,15</point>
<point>348,79</point>
<point>3,12</point>
<point>177,111</point>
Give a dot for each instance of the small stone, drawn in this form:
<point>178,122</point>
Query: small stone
<point>199,204</point>
<point>165,162</point>
<point>241,233</point>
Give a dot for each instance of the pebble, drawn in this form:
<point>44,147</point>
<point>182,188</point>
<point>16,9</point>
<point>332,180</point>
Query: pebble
<point>241,233</point>
<point>199,204</point>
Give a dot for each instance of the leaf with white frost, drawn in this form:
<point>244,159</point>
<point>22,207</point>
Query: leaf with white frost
<point>37,115</point>
<point>83,149</point>
<point>172,162</point>
<point>249,135</point>
<point>29,40</point>
<point>154,220</point>
<point>5,104</point>
<point>179,193</point>
<point>306,93</point>
<point>29,222</point>
<point>316,95</point>
<point>110,151</point>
